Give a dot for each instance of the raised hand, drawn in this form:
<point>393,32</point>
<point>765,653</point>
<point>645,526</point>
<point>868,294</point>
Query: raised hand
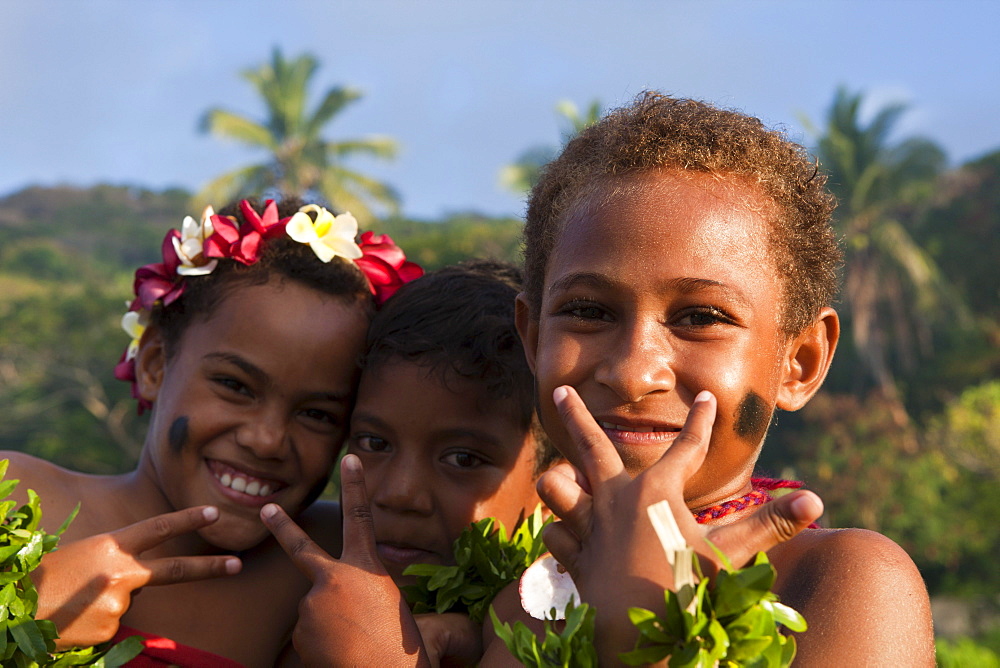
<point>604,537</point>
<point>354,614</point>
<point>85,586</point>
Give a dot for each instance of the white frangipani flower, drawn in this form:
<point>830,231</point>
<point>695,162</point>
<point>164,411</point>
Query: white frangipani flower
<point>329,236</point>
<point>134,323</point>
<point>189,246</point>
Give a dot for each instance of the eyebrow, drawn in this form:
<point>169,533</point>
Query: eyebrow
<point>684,285</point>
<point>489,440</point>
<point>260,376</point>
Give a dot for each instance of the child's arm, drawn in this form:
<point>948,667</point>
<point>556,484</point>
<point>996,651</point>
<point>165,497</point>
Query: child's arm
<point>354,614</point>
<point>85,586</point>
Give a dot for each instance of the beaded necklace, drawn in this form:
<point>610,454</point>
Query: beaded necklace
<point>758,496</point>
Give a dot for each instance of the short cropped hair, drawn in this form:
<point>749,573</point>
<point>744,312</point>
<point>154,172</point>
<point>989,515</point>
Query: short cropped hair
<point>656,132</point>
<point>458,322</point>
<point>280,256</point>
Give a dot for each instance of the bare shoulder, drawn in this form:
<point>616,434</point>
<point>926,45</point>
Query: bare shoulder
<point>54,484</point>
<point>861,594</point>
<point>324,523</point>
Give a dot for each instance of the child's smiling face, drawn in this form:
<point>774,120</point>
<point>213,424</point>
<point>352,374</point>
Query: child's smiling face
<point>659,286</point>
<point>253,405</point>
<point>437,455</point>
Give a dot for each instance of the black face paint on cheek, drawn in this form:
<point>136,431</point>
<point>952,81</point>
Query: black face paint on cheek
<point>177,436</point>
<point>752,417</point>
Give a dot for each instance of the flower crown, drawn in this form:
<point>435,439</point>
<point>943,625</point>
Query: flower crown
<point>195,250</point>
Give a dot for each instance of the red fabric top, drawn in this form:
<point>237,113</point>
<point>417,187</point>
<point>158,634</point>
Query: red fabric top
<point>162,652</point>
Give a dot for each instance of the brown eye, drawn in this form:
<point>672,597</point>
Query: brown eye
<point>463,460</point>
<point>370,443</point>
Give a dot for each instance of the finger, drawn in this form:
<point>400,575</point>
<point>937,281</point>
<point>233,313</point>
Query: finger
<point>561,492</point>
<point>307,556</point>
<point>775,522</point>
<point>175,570</point>
<point>359,527</point>
<point>687,453</point>
<point>147,534</point>
<point>592,451</point>
<point>564,546</point>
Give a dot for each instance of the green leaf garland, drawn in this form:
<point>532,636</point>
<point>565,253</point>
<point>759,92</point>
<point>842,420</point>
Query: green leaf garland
<point>736,623</point>
<point>27,642</point>
<point>486,561</point>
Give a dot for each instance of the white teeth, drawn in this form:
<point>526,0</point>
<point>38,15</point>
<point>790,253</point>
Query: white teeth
<point>253,488</point>
<point>619,427</point>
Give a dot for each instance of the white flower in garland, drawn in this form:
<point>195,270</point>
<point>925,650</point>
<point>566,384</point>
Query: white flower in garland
<point>134,323</point>
<point>329,236</point>
<point>189,246</point>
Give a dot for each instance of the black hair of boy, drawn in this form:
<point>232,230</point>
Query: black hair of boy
<point>459,322</point>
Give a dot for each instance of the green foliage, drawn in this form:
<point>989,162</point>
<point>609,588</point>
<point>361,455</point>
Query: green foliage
<point>485,562</point>
<point>27,642</point>
<point>735,623</point>
<point>965,652</point>
<point>572,646</point>
<point>437,244</point>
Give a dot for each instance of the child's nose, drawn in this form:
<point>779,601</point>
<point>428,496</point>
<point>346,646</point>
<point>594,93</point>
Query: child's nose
<point>639,362</point>
<point>266,435</point>
<point>403,487</point>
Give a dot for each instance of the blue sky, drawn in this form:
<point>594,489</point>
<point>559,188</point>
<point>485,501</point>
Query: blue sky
<point>112,91</point>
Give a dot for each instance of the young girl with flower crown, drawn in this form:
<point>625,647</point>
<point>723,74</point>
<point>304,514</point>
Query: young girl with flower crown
<point>245,344</point>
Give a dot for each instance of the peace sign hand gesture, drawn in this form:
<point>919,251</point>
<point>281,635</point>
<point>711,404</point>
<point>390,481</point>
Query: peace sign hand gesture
<point>604,538</point>
<point>354,614</point>
<point>85,586</point>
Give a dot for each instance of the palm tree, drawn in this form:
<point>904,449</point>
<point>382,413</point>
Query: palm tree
<point>522,176</point>
<point>301,161</point>
<point>893,289</point>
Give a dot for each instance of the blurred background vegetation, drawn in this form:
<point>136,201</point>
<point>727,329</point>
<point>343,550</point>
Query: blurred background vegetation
<point>904,438</point>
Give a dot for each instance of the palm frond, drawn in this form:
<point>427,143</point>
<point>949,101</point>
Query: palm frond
<point>233,126</point>
<point>335,100</point>
<point>379,147</point>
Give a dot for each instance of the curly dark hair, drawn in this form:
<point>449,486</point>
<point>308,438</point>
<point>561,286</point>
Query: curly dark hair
<point>657,131</point>
<point>281,257</point>
<point>459,322</point>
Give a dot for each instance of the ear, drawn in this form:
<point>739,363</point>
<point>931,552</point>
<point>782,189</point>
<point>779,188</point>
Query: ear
<point>807,359</point>
<point>527,328</point>
<point>150,364</point>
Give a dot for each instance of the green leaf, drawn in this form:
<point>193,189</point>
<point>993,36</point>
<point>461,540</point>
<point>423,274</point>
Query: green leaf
<point>29,639</point>
<point>68,520</point>
<point>787,616</point>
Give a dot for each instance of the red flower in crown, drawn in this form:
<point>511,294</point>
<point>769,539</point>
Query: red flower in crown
<point>243,244</point>
<point>125,370</point>
<point>159,281</point>
<point>385,266</point>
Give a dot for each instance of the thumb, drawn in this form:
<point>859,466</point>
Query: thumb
<point>774,523</point>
